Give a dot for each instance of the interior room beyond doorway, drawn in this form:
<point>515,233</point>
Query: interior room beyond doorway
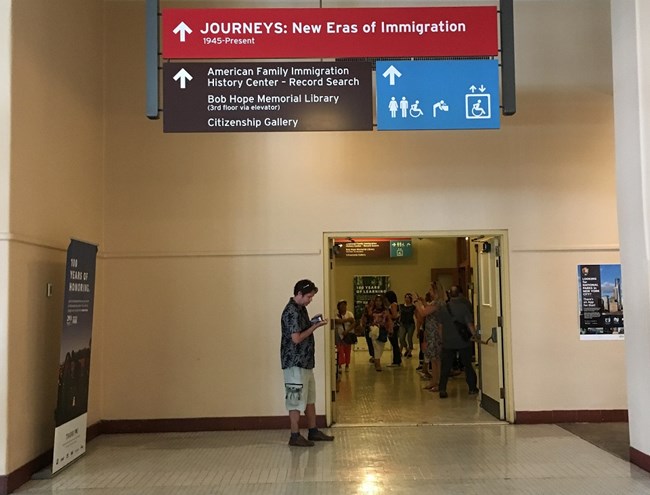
<point>397,397</point>
<point>397,394</point>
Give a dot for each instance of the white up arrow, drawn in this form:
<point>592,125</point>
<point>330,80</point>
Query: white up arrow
<point>392,72</point>
<point>184,76</point>
<point>183,29</point>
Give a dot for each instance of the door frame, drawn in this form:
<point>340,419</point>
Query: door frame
<point>505,301</point>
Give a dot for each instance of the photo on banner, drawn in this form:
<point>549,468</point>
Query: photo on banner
<point>600,302</point>
<point>71,412</point>
<point>365,288</point>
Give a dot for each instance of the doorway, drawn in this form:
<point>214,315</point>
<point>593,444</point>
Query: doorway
<point>359,395</point>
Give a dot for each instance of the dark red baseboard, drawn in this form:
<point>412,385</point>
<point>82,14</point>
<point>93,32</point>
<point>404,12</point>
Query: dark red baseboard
<point>202,424</point>
<point>640,459</point>
<point>23,474</point>
<point>575,416</point>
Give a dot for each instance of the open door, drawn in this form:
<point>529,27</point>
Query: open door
<point>489,323</point>
<point>333,372</point>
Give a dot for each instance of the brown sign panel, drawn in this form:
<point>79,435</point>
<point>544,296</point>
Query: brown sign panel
<point>267,97</point>
<point>366,248</point>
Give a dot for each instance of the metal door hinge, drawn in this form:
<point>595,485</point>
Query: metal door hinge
<point>502,393</point>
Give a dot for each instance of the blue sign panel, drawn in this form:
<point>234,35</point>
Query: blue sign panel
<point>437,94</point>
<point>401,248</point>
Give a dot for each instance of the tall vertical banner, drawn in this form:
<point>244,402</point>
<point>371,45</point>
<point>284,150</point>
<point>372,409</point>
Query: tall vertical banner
<point>74,358</point>
<point>600,301</point>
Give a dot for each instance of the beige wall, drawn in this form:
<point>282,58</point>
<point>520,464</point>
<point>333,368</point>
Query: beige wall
<point>4,349</point>
<point>5,114</point>
<point>206,233</point>
<point>202,236</point>
<point>56,194</point>
<point>5,138</point>
<point>553,369</point>
<point>57,125</point>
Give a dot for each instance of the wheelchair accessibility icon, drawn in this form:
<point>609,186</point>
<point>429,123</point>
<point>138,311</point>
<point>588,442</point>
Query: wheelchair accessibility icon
<point>415,111</point>
<point>477,106</point>
<point>403,106</point>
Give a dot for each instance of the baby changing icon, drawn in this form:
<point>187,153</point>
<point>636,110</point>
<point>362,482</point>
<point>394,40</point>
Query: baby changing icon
<point>477,106</point>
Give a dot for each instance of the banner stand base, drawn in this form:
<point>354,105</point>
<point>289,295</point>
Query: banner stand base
<point>43,474</point>
<point>47,474</point>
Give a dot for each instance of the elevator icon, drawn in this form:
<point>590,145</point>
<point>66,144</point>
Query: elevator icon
<point>477,106</point>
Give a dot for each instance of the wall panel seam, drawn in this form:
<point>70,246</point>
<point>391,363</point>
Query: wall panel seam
<point>567,249</point>
<point>19,239</point>
<point>208,254</point>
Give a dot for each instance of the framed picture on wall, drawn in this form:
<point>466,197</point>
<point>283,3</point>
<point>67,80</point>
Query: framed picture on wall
<point>600,302</point>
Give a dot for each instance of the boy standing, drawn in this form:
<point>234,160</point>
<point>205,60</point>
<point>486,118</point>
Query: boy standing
<point>297,351</point>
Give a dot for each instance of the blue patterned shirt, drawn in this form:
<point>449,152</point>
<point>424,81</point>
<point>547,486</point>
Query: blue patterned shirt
<point>295,319</point>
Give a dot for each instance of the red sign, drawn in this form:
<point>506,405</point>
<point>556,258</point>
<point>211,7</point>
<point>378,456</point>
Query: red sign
<point>330,33</point>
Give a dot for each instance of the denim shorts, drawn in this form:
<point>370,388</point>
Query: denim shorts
<point>299,388</point>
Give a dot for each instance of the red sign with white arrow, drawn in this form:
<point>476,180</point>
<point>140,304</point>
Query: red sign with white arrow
<point>329,33</point>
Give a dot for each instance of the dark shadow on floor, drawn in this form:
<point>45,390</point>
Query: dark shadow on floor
<point>611,437</point>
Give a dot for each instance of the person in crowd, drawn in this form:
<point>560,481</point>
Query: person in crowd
<point>452,340</point>
<point>393,334</point>
<point>364,323</point>
<point>297,356</point>
<point>423,367</point>
<point>456,292</point>
<point>407,325</point>
<point>429,310</point>
<point>457,367</point>
<point>379,325</point>
<point>344,331</point>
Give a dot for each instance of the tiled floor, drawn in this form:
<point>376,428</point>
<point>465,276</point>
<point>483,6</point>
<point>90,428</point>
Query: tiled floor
<point>460,460</point>
<point>442,447</point>
<point>612,437</point>
<point>396,396</point>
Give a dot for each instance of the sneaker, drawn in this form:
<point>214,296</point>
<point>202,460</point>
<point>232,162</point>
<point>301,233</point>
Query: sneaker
<point>473,391</point>
<point>300,441</point>
<point>319,436</point>
<point>443,394</point>
<point>372,360</point>
<point>418,368</point>
<point>394,365</point>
